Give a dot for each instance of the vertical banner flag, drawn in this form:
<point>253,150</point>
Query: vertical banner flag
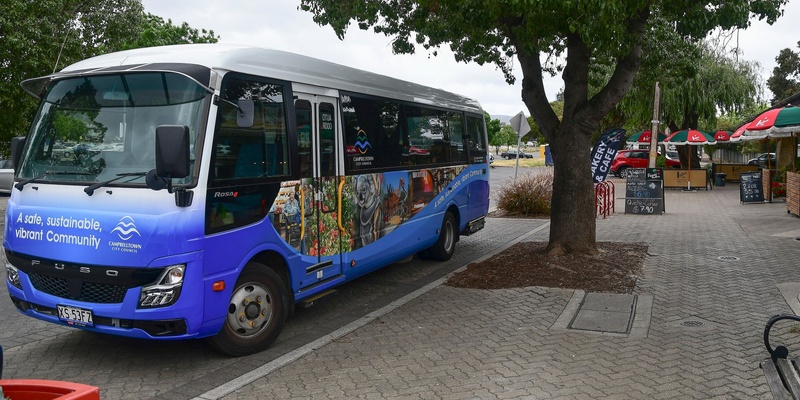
<point>604,151</point>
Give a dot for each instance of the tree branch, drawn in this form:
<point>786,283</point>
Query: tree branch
<point>534,95</point>
<point>625,70</point>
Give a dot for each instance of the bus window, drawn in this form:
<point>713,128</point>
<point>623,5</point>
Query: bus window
<point>476,140</point>
<point>327,140</point>
<point>455,125</point>
<point>258,151</point>
<point>372,134</point>
<point>251,158</point>
<point>303,113</point>
<point>427,131</point>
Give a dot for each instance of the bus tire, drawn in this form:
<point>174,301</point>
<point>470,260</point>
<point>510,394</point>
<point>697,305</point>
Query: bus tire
<point>256,312</point>
<point>448,236</point>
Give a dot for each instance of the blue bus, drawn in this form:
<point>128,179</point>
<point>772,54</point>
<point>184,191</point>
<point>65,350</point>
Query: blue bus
<point>201,191</point>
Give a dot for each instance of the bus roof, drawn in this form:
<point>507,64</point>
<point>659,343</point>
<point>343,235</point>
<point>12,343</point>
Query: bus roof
<point>280,65</point>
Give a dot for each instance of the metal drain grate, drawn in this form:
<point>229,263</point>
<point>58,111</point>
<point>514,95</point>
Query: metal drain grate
<point>728,258</point>
<point>692,323</point>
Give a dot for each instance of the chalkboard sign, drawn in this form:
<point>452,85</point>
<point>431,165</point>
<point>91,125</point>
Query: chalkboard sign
<point>644,191</point>
<point>750,189</point>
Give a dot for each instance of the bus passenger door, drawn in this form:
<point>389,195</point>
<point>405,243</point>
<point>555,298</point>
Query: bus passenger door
<point>318,126</point>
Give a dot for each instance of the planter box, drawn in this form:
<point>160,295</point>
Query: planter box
<point>793,193</point>
<point>36,389</point>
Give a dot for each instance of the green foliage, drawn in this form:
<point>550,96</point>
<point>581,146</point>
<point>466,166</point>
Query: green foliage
<point>661,161</point>
<point>43,36</point>
<point>530,196</point>
<point>492,126</point>
<point>696,82</point>
<point>784,81</point>
<point>505,137</point>
<point>157,32</point>
<point>757,146</point>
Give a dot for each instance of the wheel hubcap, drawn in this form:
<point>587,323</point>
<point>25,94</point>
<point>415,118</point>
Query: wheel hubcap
<point>448,236</point>
<point>250,309</point>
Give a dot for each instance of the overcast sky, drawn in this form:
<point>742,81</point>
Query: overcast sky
<point>278,24</point>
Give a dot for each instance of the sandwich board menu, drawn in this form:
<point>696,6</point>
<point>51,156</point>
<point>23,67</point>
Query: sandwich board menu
<point>644,191</point>
<point>750,187</point>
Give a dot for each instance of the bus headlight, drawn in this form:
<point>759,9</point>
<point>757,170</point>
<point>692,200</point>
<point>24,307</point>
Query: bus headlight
<point>12,274</point>
<point>165,290</point>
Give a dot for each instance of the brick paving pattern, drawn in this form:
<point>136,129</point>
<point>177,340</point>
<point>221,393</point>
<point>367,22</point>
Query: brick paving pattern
<point>704,339</point>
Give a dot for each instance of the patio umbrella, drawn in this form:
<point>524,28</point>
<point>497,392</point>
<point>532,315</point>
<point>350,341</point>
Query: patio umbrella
<point>723,136</point>
<point>691,137</point>
<point>787,122</point>
<point>645,136</point>
<point>737,134</point>
<point>775,123</point>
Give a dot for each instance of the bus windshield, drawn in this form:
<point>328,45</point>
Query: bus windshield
<point>92,128</point>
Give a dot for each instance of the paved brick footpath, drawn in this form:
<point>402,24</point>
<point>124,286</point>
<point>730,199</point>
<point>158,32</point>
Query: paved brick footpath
<point>712,271</point>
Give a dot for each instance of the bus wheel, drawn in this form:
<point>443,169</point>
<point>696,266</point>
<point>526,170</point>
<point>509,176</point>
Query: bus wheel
<point>256,312</point>
<point>448,236</point>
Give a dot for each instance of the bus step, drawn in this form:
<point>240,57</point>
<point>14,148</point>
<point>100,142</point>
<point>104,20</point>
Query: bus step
<point>311,300</point>
<point>474,226</point>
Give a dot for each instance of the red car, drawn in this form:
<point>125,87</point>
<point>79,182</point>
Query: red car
<point>635,159</point>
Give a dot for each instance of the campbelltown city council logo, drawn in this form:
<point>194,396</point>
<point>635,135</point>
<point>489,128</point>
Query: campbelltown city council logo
<point>125,229</point>
<point>361,142</point>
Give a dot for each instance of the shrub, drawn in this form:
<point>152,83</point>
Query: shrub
<point>778,189</point>
<point>529,196</point>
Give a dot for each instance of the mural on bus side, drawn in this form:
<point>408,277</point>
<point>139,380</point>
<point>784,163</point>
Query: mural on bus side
<point>373,205</point>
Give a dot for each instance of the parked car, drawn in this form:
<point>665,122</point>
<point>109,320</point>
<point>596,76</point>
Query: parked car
<point>763,160</point>
<point>491,160</point>
<point>6,176</point>
<point>513,154</point>
<point>673,155</point>
<point>635,159</point>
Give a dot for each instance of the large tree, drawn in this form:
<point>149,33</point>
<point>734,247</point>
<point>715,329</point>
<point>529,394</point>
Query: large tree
<point>785,79</point>
<point>571,37</point>
<point>41,37</point>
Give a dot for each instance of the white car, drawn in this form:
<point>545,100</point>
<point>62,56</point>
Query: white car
<point>6,176</point>
<point>491,160</point>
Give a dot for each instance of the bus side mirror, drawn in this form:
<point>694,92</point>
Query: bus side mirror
<point>17,144</point>
<point>172,162</point>
<point>172,151</point>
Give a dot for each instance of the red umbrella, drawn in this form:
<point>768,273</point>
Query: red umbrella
<point>645,136</point>
<point>722,136</point>
<point>693,137</point>
<point>690,136</point>
<point>759,127</point>
<point>775,123</point>
<point>737,135</point>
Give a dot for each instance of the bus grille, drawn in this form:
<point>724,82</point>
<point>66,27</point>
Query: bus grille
<point>76,290</point>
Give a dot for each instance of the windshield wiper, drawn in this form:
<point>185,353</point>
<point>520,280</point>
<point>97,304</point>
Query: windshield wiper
<point>90,189</point>
<point>21,184</point>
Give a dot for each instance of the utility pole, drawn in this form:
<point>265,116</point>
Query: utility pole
<point>654,130</point>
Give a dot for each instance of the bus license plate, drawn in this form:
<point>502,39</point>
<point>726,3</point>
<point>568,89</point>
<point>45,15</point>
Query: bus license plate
<point>74,315</point>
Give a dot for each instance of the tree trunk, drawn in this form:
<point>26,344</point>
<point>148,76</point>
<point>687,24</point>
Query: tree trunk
<point>572,217</point>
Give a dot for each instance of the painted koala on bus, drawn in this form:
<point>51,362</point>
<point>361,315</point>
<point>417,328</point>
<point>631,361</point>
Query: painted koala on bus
<point>368,212</point>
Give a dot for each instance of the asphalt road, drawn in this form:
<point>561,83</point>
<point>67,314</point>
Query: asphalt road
<point>131,368</point>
